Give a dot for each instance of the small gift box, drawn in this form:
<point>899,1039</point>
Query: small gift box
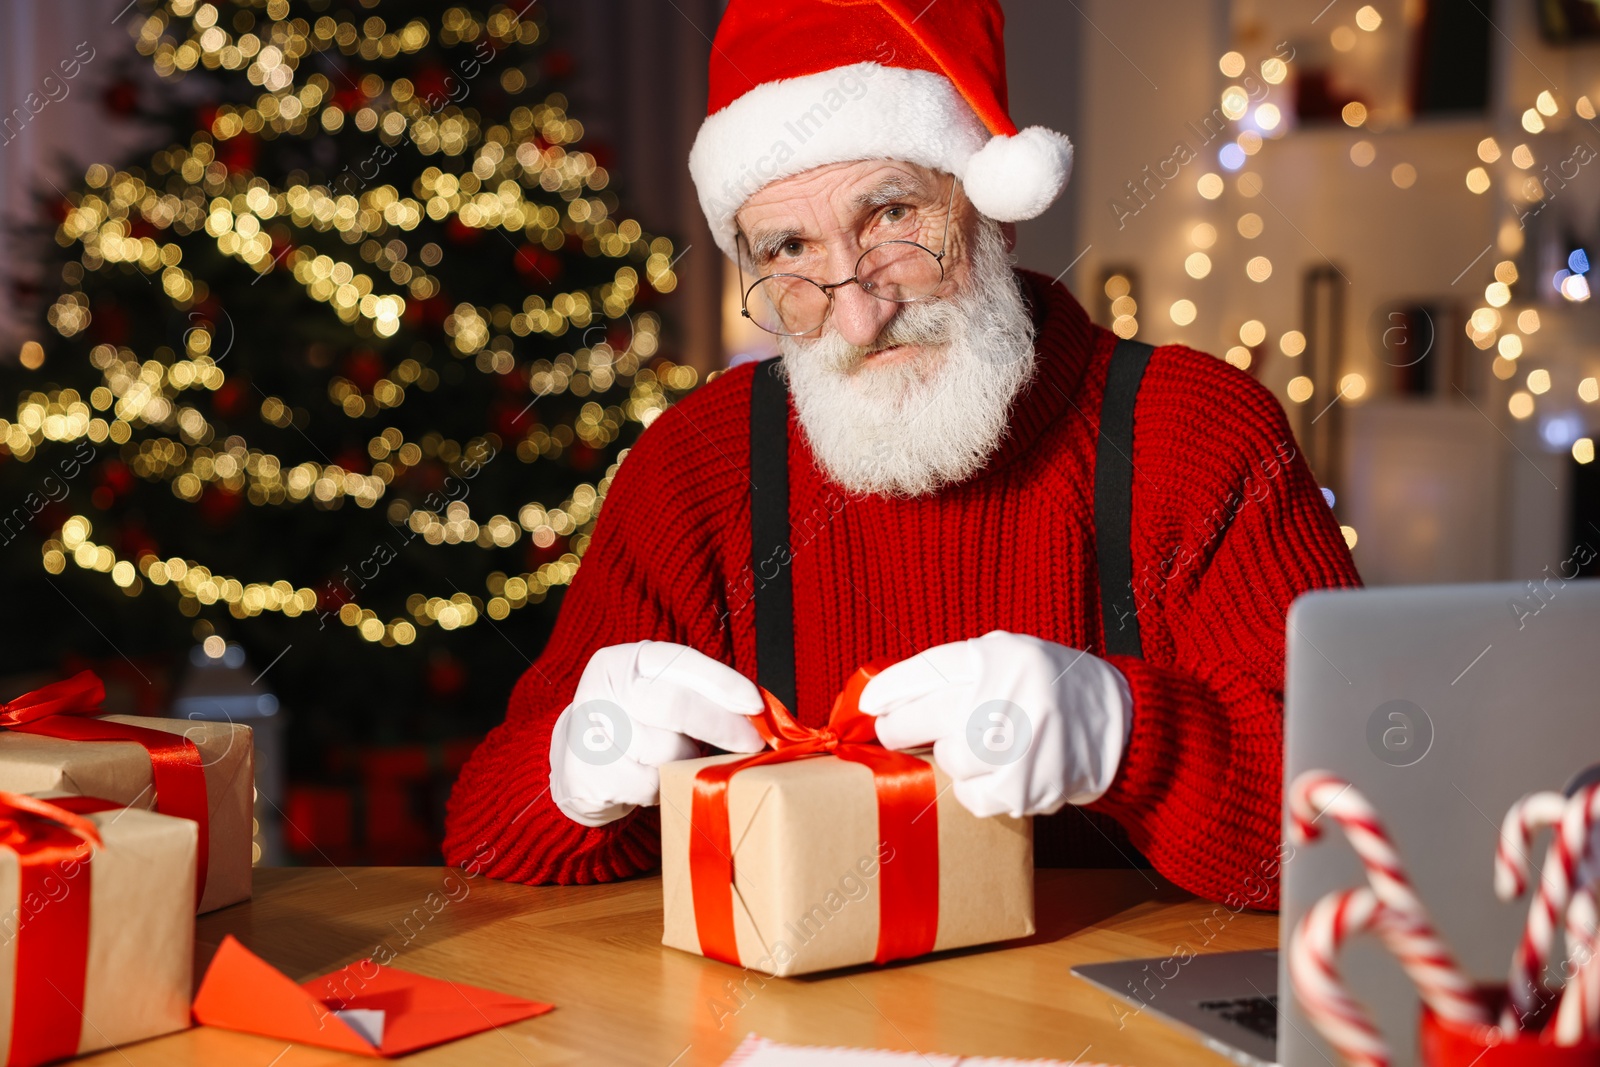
<point>96,925</point>
<point>192,770</point>
<point>830,850</point>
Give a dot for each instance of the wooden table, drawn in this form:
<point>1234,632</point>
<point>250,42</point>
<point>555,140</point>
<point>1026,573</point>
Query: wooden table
<point>623,998</point>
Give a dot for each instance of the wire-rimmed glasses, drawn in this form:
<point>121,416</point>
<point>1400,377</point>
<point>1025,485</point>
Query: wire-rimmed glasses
<point>899,271</point>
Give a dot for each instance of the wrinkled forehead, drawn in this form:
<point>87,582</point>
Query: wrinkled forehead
<point>840,196</point>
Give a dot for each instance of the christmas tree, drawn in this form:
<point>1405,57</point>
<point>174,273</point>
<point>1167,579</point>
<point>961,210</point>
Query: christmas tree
<point>341,372</point>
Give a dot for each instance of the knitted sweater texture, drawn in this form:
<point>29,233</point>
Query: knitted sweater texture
<point>1229,526</point>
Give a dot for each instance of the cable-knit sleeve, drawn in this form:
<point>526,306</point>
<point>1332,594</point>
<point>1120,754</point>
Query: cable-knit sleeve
<point>1229,527</point>
<point>649,573</point>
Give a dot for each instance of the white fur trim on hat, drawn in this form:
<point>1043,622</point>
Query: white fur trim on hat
<point>863,111</point>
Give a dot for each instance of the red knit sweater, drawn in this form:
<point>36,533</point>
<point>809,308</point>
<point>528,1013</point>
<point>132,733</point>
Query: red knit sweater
<point>1228,527</point>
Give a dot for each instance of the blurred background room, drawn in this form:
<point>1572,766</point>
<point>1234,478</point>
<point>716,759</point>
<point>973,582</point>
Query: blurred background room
<point>327,322</point>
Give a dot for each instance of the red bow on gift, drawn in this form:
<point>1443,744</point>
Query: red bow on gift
<point>60,709</point>
<point>908,823</point>
<point>52,941</point>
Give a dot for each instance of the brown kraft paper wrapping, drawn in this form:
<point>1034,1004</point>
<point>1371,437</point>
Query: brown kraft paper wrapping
<point>141,927</point>
<point>120,771</point>
<point>806,863</point>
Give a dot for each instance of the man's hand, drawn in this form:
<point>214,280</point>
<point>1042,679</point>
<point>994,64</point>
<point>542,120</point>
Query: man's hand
<point>636,707</point>
<point>1022,725</point>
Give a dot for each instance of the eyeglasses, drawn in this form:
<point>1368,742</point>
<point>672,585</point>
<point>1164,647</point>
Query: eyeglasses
<point>900,272</point>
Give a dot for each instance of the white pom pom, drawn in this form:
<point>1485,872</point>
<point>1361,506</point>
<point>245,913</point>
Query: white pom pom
<point>1015,178</point>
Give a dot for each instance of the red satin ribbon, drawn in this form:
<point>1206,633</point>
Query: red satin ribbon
<point>52,941</point>
<point>57,710</point>
<point>908,889</point>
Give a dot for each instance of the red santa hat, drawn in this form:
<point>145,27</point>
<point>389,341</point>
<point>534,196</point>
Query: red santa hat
<point>797,84</point>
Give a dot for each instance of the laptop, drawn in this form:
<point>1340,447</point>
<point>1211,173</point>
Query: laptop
<point>1443,704</point>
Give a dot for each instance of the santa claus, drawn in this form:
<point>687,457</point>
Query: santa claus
<point>1078,552</point>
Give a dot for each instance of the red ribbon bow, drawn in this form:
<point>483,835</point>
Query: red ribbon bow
<point>53,940</point>
<point>908,896</point>
<point>60,709</point>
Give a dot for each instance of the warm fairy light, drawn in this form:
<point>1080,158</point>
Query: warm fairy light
<point>1273,70</point>
<point>1532,122</point>
<point>1368,18</point>
<point>1300,389</point>
<point>1510,346</point>
<point>1210,186</point>
<point>1249,141</point>
<point>1353,386</point>
<point>1292,343</point>
<point>1485,320</point>
<point>1575,287</point>
<point>214,646</point>
<point>1354,113</point>
<point>1478,180</point>
<point>1238,356</point>
<point>1522,156</point>
<point>1584,108</point>
<point>1538,381</point>
<point>1231,64</point>
<point>1259,269</point>
<point>1125,326</point>
<point>1204,235</point>
<point>1546,103</point>
<point>32,355</point>
<point>1488,150</point>
<point>1252,333</point>
<point>1583,450</point>
<point>1520,404</point>
<point>1589,390</point>
<point>1343,38</point>
<point>1117,286</point>
<point>1403,175</point>
<point>1124,305</point>
<point>1250,225</point>
<point>1528,321</point>
<point>1183,312</point>
<point>1235,101</point>
<point>1503,368</point>
<point>1349,533</point>
<point>1505,271</point>
<point>1268,116</point>
<point>1198,265</point>
<point>1497,294</point>
<point>1362,153</point>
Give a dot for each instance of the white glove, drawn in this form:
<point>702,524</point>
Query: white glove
<point>1022,726</point>
<point>636,707</point>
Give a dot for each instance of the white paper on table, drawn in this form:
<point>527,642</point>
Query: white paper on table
<point>756,1051</point>
<point>368,1022</point>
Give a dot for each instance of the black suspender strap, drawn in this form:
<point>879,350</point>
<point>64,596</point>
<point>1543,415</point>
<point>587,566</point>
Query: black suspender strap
<point>1113,498</point>
<point>769,532</point>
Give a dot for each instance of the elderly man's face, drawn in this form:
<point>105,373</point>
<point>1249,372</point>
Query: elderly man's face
<point>818,223</point>
<point>896,399</point>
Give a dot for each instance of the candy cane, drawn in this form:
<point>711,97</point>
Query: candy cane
<point>1442,982</point>
<point>1578,1016</point>
<point>1528,816</point>
<point>1568,850</point>
<point>1314,968</point>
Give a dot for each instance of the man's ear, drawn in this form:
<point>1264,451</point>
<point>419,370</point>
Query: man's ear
<point>1008,230</point>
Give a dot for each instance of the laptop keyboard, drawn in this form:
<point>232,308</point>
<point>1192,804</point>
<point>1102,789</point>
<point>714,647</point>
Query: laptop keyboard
<point>1259,1015</point>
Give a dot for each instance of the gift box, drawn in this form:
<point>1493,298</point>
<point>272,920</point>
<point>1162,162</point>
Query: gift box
<point>829,851</point>
<point>96,925</point>
<point>188,769</point>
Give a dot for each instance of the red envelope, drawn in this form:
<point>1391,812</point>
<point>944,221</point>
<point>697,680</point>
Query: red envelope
<point>241,991</point>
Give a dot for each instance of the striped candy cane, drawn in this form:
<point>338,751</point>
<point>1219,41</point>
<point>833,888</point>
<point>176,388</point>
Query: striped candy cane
<point>1568,850</point>
<point>1442,982</point>
<point>1512,862</point>
<point>1578,1015</point>
<point>1314,968</point>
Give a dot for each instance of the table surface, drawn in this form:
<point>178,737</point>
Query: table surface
<point>621,997</point>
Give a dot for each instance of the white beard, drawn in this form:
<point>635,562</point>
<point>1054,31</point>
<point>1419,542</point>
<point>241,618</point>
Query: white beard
<point>906,429</point>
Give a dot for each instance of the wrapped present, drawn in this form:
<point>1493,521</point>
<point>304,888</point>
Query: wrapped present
<point>191,770</point>
<point>829,850</point>
<point>97,942</point>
